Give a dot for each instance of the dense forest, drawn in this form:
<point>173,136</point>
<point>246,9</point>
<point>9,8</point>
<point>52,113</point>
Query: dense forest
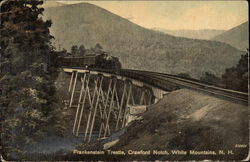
<point>235,78</point>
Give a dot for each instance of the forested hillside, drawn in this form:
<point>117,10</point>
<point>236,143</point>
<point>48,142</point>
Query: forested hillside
<point>137,47</point>
<point>237,37</point>
<point>206,34</point>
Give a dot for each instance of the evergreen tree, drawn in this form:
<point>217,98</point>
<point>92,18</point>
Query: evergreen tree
<point>184,75</point>
<point>27,89</point>
<point>210,78</point>
<point>98,49</point>
<point>81,50</point>
<point>237,77</point>
<point>74,50</point>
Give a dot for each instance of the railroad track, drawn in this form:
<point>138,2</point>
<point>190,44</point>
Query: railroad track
<point>185,83</point>
<point>160,80</point>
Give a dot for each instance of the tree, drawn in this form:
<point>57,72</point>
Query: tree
<point>237,77</point>
<point>81,50</point>
<point>184,75</point>
<point>27,88</point>
<point>74,50</point>
<point>98,49</point>
<point>210,78</point>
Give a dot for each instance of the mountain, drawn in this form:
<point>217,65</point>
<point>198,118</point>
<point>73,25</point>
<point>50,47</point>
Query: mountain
<point>48,4</point>
<point>194,34</point>
<point>138,47</point>
<point>237,37</point>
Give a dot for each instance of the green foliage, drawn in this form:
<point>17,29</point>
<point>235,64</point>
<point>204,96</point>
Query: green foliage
<point>77,52</point>
<point>97,49</point>
<point>26,59</point>
<point>81,50</point>
<point>210,78</point>
<point>74,50</point>
<point>237,77</point>
<point>184,75</point>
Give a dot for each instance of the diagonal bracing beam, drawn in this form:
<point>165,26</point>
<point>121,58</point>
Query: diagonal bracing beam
<point>91,108</point>
<point>95,108</point>
<point>127,103</point>
<point>110,108</point>
<point>86,92</point>
<point>104,114</point>
<point>79,102</point>
<point>73,91</point>
<point>120,106</point>
<point>71,80</point>
<point>142,97</point>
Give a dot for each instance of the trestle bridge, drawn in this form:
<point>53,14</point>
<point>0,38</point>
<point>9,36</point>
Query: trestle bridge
<point>103,99</point>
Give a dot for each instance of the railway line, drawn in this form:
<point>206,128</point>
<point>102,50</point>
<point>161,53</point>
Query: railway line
<point>161,80</point>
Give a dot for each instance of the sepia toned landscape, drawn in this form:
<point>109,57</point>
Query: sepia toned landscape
<point>124,80</point>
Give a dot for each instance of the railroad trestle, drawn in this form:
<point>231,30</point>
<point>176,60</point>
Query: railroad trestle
<point>103,101</point>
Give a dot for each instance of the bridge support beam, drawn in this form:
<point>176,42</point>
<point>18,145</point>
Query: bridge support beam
<point>158,94</point>
<point>102,102</point>
<point>79,102</point>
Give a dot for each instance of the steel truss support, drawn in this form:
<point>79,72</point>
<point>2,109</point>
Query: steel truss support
<point>82,103</point>
<point>73,88</point>
<point>142,99</point>
<point>71,80</point>
<point>91,109</point>
<point>95,108</point>
<point>110,108</point>
<point>120,106</point>
<point>79,102</point>
<point>127,103</point>
<point>101,112</point>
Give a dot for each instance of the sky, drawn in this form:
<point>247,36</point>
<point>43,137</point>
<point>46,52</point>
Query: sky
<point>176,15</point>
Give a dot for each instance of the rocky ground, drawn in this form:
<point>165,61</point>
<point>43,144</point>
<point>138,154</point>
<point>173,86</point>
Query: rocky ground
<point>185,120</point>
